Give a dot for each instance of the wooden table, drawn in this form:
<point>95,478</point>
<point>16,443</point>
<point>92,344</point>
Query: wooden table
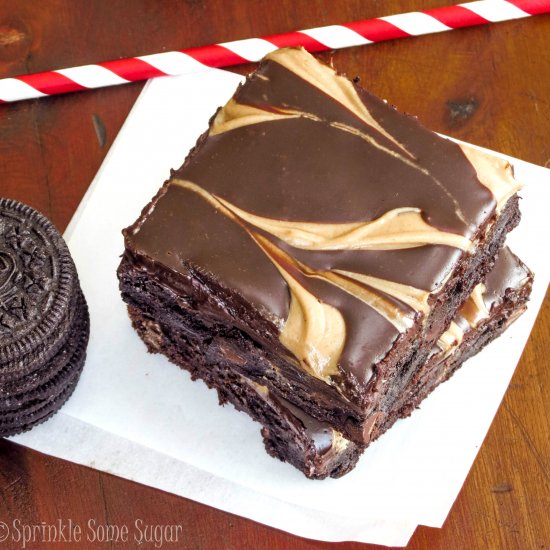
<point>487,85</point>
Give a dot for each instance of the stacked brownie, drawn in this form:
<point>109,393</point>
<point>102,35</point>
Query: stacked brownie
<point>310,256</point>
<point>44,323</point>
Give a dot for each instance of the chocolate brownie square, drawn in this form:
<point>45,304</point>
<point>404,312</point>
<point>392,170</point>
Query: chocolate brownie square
<point>325,236</point>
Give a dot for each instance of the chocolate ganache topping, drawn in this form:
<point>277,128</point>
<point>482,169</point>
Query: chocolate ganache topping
<point>332,213</point>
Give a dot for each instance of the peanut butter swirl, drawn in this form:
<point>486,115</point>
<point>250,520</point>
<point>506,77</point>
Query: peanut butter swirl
<point>495,173</point>
<point>474,309</point>
<point>323,77</point>
<point>315,332</point>
<point>313,236</point>
<point>399,228</point>
<point>450,339</point>
<point>472,312</point>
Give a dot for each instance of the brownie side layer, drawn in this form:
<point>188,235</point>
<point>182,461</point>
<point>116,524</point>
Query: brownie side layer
<point>256,361</point>
<point>461,285</point>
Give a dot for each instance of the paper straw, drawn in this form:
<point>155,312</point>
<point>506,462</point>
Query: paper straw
<point>331,37</point>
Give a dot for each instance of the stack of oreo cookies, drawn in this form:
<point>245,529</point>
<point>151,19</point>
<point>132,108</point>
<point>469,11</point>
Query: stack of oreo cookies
<point>44,322</point>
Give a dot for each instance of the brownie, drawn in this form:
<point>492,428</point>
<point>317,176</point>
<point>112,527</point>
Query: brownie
<point>313,446</point>
<point>327,237</point>
<point>44,321</point>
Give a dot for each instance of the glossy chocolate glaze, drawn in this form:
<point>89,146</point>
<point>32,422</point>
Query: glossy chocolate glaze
<point>304,169</point>
<point>509,274</point>
<point>389,183</point>
<point>320,433</point>
<point>293,173</point>
<point>184,228</point>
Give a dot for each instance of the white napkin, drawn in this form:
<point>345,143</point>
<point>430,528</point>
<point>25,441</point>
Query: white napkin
<point>139,417</point>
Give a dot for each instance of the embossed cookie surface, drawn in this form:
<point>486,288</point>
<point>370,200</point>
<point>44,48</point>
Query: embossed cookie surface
<point>37,282</point>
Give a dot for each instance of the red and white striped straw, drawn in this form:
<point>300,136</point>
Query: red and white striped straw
<point>122,71</point>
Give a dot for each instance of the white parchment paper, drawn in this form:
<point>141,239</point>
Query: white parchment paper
<point>140,417</point>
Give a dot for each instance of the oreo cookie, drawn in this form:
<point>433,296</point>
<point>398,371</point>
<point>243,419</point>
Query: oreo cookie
<point>44,321</point>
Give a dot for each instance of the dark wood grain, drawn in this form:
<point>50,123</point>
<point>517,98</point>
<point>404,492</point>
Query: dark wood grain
<point>488,85</point>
